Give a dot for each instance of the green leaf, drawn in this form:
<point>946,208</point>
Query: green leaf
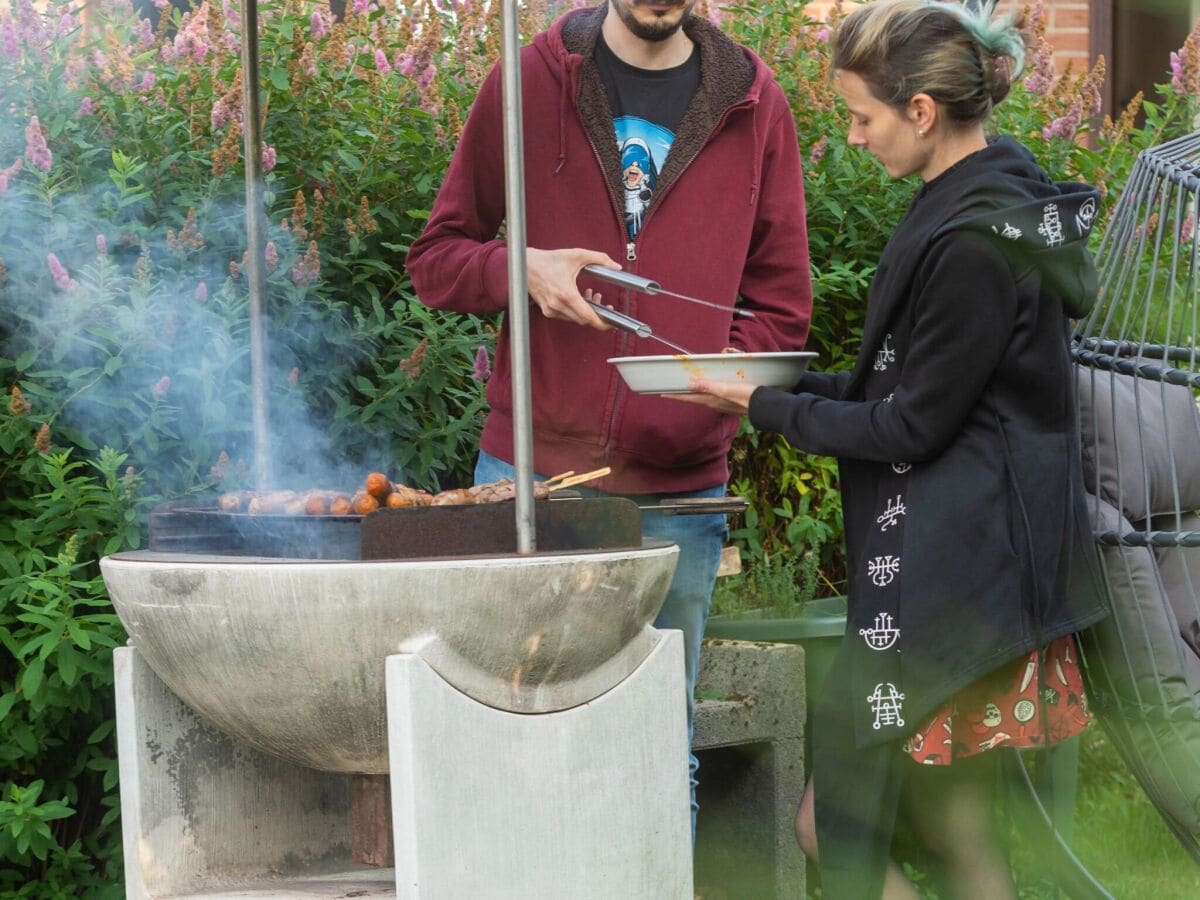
<point>352,162</point>
<point>68,663</point>
<point>32,677</point>
<point>279,78</point>
<point>101,731</point>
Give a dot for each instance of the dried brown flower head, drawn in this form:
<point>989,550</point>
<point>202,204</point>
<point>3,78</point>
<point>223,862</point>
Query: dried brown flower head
<point>411,365</point>
<point>19,405</point>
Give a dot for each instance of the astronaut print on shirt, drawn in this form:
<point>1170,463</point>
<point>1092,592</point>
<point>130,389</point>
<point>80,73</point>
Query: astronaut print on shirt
<point>644,147</point>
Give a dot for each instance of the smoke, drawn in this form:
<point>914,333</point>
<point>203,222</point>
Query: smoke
<point>124,310</point>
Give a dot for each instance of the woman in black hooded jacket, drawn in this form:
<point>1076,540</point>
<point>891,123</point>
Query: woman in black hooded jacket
<point>970,561</point>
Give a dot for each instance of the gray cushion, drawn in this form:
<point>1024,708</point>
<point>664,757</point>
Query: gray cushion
<point>1179,569</point>
<point>1143,661</point>
<point>1141,443</point>
<point>1144,680</point>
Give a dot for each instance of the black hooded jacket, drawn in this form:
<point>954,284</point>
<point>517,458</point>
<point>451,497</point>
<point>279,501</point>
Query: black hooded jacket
<point>966,534</point>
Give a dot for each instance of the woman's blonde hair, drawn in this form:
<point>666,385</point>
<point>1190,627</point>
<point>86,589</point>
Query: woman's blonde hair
<point>962,57</point>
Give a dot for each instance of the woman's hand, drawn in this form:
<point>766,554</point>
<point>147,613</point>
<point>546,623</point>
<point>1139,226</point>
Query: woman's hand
<point>721,396</point>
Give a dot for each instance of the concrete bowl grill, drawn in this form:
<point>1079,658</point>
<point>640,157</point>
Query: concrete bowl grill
<point>330,727</point>
<point>288,654</point>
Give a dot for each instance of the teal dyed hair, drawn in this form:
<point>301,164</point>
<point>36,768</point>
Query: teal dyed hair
<point>996,34</point>
<point>964,58</point>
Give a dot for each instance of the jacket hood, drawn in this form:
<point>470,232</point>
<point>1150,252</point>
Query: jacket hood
<point>729,75</point>
<point>1004,194</point>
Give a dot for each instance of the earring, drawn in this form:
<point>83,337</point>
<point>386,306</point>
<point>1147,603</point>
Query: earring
<point>920,132</point>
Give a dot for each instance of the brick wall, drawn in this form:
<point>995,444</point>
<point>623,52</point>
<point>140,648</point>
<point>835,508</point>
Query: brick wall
<point>1067,29</point>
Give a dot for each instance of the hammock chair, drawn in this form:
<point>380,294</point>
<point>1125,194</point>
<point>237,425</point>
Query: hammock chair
<point>1138,372</point>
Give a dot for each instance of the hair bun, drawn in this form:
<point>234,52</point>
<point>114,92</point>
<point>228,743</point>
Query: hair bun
<point>997,73</point>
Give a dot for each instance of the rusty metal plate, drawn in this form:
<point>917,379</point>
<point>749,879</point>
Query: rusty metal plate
<point>594,523</point>
<point>180,528</point>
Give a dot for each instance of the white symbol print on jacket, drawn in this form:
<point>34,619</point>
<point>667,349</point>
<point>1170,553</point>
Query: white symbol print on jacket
<point>883,636</point>
<point>885,703</point>
<point>1010,231</point>
<point>901,468</point>
<point>894,510</point>
<point>1085,216</point>
<point>1051,227</point>
<point>883,569</point>
<point>884,355</point>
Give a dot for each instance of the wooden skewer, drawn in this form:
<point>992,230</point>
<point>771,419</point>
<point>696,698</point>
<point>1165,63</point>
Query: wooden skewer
<point>580,479</point>
<point>559,477</point>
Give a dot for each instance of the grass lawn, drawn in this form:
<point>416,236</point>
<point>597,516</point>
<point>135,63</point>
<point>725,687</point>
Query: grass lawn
<point>1117,834</point>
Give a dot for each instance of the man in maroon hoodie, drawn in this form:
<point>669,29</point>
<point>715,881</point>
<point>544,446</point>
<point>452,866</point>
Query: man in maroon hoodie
<point>655,144</point>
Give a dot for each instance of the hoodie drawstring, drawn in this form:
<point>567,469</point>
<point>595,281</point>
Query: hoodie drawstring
<point>755,154</point>
<point>562,119</point>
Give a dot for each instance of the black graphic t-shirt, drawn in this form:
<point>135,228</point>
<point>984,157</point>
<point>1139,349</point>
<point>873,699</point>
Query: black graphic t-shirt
<point>647,106</point>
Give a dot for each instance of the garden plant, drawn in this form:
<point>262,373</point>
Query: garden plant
<point>124,312</point>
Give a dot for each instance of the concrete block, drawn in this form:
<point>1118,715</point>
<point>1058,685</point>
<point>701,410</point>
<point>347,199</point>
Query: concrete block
<point>750,742</point>
<point>589,803</point>
<point>203,814</point>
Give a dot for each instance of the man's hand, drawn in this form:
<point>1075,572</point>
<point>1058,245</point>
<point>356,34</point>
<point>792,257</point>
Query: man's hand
<point>723,397</point>
<point>552,274</point>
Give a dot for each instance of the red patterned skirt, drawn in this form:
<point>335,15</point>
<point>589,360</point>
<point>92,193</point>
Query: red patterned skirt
<point>1030,702</point>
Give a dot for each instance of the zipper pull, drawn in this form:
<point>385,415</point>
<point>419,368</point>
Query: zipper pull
<point>631,252</point>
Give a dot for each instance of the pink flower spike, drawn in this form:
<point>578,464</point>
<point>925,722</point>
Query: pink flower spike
<point>58,272</point>
<point>381,63</point>
<point>360,6</point>
<point>200,295</point>
<point>482,370</point>
<point>87,107</point>
<point>9,41</point>
<point>426,77</point>
<point>162,386</point>
<point>101,245</point>
<point>36,150</point>
<point>822,33</point>
<point>267,158</point>
<point>317,25</point>
<point>1177,72</point>
<point>818,150</point>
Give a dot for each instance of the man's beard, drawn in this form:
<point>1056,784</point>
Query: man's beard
<point>657,30</point>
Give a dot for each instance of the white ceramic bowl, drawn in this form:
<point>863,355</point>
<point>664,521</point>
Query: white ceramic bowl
<point>671,374</point>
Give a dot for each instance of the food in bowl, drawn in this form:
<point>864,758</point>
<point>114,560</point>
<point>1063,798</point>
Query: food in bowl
<point>671,374</point>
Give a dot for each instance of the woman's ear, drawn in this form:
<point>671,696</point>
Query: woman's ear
<point>923,113</point>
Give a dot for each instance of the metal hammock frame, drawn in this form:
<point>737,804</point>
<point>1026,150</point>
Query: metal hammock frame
<point>1138,369</point>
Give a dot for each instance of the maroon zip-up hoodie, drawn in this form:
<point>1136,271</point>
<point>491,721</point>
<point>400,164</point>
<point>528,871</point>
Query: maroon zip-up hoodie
<point>726,223</point>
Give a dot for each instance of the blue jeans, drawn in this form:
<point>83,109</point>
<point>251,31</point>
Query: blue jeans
<point>700,539</point>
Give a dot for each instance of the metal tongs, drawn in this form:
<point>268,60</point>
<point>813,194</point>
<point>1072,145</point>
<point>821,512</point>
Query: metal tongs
<point>652,287</point>
<point>645,286</point>
<point>634,326</point>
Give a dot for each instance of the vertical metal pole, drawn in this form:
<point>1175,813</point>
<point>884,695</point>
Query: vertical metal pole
<point>518,291</point>
<point>255,276</point>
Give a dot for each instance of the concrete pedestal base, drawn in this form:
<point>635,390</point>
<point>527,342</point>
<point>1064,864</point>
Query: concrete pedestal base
<point>589,803</point>
<point>205,815</point>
